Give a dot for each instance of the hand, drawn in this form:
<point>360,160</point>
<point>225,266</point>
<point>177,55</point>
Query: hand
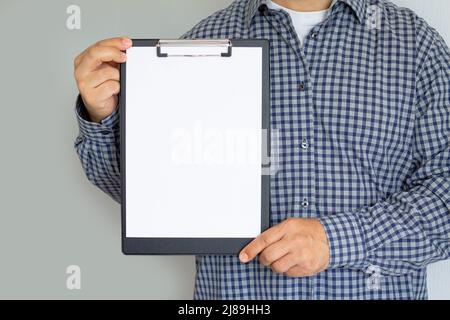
<point>98,78</point>
<point>296,247</point>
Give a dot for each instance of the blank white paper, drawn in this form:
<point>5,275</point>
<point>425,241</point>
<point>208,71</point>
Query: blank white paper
<point>193,145</point>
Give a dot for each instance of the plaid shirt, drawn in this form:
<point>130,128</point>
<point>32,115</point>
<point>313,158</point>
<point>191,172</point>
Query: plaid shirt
<point>363,111</point>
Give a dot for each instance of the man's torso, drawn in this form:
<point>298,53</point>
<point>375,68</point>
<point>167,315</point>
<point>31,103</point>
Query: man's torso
<point>343,106</point>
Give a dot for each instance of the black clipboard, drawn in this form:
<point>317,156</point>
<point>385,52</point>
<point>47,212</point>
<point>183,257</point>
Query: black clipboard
<point>194,246</point>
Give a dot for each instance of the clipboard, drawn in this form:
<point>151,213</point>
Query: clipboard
<point>175,199</point>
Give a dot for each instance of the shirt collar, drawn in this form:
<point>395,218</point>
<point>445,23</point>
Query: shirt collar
<point>358,7</point>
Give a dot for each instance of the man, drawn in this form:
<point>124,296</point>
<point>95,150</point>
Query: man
<point>361,97</point>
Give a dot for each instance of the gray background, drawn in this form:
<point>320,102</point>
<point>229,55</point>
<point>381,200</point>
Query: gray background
<point>50,216</point>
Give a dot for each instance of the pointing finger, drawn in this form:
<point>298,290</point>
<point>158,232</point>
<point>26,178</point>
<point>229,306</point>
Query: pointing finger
<point>264,240</point>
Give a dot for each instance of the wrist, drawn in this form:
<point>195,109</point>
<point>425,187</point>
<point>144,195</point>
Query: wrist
<point>98,115</point>
<point>94,118</point>
<point>106,130</point>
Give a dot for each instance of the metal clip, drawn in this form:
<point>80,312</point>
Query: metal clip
<point>226,43</point>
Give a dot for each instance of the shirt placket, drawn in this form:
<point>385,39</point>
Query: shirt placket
<point>311,51</point>
<point>301,147</point>
<point>297,155</point>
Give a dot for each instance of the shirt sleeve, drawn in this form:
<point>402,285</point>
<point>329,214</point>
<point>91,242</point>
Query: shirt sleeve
<point>97,146</point>
<point>411,228</point>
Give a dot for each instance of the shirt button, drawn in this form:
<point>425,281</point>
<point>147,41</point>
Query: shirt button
<point>314,35</point>
<point>302,86</point>
<point>305,203</point>
<point>305,144</point>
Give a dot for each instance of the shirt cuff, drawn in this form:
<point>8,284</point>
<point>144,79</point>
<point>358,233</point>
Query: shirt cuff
<point>345,240</point>
<point>105,131</point>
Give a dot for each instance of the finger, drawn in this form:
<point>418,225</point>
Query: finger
<point>121,43</point>
<point>261,242</point>
<point>102,75</point>
<point>106,90</point>
<point>274,252</point>
<point>97,55</point>
<point>296,271</point>
<point>113,64</point>
<point>78,59</point>
<point>284,264</point>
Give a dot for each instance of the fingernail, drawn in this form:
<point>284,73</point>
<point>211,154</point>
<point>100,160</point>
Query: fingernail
<point>124,56</point>
<point>244,257</point>
<point>127,42</point>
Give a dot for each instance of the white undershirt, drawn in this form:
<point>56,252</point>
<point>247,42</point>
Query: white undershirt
<point>303,22</point>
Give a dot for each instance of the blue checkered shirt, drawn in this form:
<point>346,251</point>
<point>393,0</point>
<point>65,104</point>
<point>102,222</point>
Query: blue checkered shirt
<point>363,112</point>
